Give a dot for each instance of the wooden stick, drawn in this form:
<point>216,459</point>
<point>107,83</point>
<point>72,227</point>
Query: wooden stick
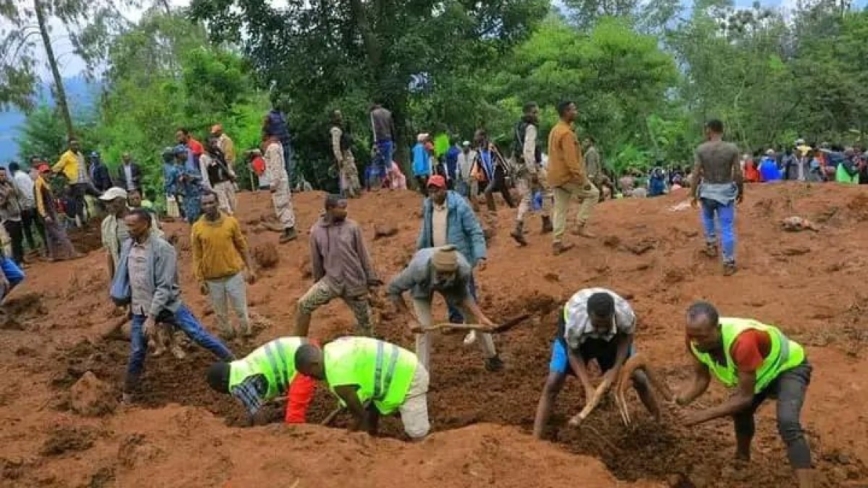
<point>595,400</point>
<point>332,416</point>
<point>477,327</point>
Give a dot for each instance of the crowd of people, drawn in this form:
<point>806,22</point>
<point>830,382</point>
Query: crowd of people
<point>373,377</point>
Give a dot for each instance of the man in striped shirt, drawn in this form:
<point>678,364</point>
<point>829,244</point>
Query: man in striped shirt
<point>598,324</point>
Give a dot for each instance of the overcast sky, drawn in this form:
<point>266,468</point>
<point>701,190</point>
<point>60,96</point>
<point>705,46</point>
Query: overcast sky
<point>72,65</point>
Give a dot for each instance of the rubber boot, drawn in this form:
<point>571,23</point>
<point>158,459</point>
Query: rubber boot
<point>288,235</point>
<point>547,224</point>
<point>518,234</point>
<point>560,248</point>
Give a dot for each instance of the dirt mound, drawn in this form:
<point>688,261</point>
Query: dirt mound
<point>91,397</point>
<point>68,438</point>
<point>266,255</point>
<point>87,238</point>
<point>810,284</point>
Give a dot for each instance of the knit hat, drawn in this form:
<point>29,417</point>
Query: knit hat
<point>445,259</point>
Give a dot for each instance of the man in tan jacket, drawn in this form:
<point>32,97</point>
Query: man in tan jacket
<point>568,178</point>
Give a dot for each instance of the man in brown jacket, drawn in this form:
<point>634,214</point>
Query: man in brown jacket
<point>568,178</point>
<point>341,265</point>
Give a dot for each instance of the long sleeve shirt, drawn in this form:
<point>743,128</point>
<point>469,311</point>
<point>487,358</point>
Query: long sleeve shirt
<point>26,189</point>
<point>339,256</point>
<point>565,156</point>
<point>219,248</point>
<point>336,134</point>
<point>528,149</point>
<point>72,166</point>
<point>228,148</point>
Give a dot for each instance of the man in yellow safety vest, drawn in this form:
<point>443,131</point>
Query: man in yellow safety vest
<point>371,378</point>
<point>759,361</point>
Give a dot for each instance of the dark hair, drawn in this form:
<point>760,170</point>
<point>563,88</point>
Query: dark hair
<point>207,192</point>
<point>564,106</point>
<point>591,138</point>
<point>703,309</point>
<point>305,354</point>
<point>715,126</point>
<point>3,168</point>
<point>601,304</point>
<point>13,167</point>
<point>331,200</point>
<point>134,190</point>
<point>528,107</point>
<point>218,377</point>
<point>184,131</point>
<point>143,214</point>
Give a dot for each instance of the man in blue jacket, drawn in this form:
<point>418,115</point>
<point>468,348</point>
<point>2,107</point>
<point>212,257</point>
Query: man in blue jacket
<point>447,219</point>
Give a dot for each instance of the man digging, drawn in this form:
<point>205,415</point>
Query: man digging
<point>263,375</point>
<point>596,323</point>
<point>371,378</point>
<point>443,270</point>
<point>759,362</point>
<point>220,258</point>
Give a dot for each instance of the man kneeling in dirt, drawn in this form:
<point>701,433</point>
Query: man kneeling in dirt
<point>596,323</point>
<point>759,361</point>
<point>371,378</point>
<point>266,373</point>
<point>148,266</point>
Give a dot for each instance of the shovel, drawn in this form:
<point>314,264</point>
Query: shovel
<point>509,324</point>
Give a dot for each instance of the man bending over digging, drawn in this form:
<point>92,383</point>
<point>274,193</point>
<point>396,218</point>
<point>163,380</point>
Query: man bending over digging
<point>598,324</point>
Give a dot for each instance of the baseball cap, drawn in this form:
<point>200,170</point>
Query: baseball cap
<point>113,193</point>
<point>437,181</point>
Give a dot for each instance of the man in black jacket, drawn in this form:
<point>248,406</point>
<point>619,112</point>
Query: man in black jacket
<point>129,174</point>
<point>99,173</point>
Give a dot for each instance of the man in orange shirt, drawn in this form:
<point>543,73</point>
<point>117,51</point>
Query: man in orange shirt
<point>568,178</point>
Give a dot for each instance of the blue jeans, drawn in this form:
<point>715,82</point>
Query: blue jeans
<point>726,218</point>
<point>184,320</point>
<point>382,160</point>
<point>455,315</point>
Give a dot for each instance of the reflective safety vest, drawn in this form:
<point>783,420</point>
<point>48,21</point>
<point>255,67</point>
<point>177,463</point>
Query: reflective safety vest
<point>275,360</point>
<point>784,354</point>
<point>382,371</point>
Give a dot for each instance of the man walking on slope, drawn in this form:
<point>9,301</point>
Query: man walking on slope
<point>220,257</point>
<point>371,378</point>
<point>148,273</point>
<point>341,268</point>
<point>530,174</point>
<point>281,195</point>
<point>596,324</point>
<point>718,184</point>
<point>265,374</point>
<point>446,271</point>
<point>448,219</point>
<point>759,362</point>
<point>568,178</point>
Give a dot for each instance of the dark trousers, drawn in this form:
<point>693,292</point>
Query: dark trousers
<point>13,228</point>
<point>789,389</point>
<point>29,219</point>
<point>455,315</point>
<point>498,183</point>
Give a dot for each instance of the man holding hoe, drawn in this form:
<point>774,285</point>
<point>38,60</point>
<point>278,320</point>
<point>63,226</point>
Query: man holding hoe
<point>759,362</point>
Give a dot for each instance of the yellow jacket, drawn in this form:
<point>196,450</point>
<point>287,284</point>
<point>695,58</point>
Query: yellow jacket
<point>68,165</point>
<point>566,163</point>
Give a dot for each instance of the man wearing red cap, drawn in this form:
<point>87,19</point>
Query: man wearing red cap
<point>447,218</point>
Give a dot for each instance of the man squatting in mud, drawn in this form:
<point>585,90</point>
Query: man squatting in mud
<point>759,362</point>
<point>596,323</point>
<point>371,378</point>
<point>265,374</point>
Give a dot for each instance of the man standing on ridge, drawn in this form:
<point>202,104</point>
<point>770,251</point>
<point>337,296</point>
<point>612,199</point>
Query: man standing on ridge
<point>265,374</point>
<point>281,196</point>
<point>342,148</point>
<point>529,172</point>
<point>568,178</point>
<point>371,378</point>
<point>341,268</point>
<point>759,362</point>
<point>383,129</point>
<point>718,184</point>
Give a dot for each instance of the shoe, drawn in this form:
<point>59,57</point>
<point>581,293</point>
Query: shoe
<point>518,234</point>
<point>127,398</point>
<point>547,224</point>
<point>581,231</point>
<point>710,250</point>
<point>288,235</point>
<point>494,364</point>
<point>470,338</point>
<point>729,269</point>
<point>560,248</point>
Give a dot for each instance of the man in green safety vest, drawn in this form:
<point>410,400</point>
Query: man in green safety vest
<point>371,378</point>
<point>265,374</point>
<point>759,361</point>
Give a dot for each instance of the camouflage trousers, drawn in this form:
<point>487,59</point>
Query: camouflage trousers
<point>321,293</point>
<point>349,175</point>
<point>282,200</point>
<point>527,185</point>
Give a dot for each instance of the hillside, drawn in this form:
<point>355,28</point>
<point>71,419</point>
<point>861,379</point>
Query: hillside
<point>810,284</point>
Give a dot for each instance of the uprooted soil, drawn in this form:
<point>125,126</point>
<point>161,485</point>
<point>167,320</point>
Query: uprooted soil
<point>648,250</point>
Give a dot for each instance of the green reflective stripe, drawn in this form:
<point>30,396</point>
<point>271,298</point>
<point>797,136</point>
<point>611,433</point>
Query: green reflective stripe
<point>381,384</point>
<point>278,372</point>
